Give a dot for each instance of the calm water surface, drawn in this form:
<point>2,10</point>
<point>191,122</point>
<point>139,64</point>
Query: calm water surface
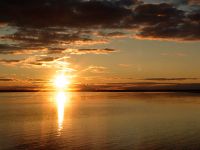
<point>99,121</point>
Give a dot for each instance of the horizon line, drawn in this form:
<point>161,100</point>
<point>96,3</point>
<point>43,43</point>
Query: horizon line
<point>139,90</point>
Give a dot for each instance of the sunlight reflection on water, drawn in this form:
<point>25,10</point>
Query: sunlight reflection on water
<point>62,99</point>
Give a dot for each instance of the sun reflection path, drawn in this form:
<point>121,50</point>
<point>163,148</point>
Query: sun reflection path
<point>62,99</point>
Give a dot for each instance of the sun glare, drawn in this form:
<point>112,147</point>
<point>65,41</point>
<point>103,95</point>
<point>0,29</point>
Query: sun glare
<point>61,81</point>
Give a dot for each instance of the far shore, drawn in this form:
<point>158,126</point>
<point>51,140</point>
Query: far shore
<point>99,90</point>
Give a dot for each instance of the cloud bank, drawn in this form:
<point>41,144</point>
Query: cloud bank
<point>39,24</point>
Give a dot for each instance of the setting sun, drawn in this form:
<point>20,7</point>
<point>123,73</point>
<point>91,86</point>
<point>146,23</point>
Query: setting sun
<point>61,81</point>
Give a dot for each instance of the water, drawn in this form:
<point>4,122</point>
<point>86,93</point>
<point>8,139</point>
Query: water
<point>99,121</point>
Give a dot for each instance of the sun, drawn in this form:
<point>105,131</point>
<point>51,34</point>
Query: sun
<point>61,81</point>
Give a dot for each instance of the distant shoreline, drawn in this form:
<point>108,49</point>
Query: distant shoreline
<point>187,91</point>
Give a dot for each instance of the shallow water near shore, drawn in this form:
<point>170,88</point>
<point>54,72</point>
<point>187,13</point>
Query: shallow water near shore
<point>99,120</point>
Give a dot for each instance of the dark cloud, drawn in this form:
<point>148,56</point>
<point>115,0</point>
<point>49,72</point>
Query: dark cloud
<point>174,2</point>
<point>174,26</point>
<point>91,51</point>
<point>42,38</point>
<point>116,34</point>
<point>71,13</point>
<point>194,2</point>
<point>195,17</point>
<point>46,59</point>
<point>6,79</point>
<point>80,51</point>
<point>9,49</point>
<point>10,61</point>
<point>59,24</point>
<point>152,14</point>
<point>40,61</point>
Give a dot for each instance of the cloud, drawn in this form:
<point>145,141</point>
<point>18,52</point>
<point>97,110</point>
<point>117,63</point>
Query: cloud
<point>47,59</point>
<point>175,2</point>
<point>17,49</point>
<point>165,21</point>
<point>61,24</point>
<point>90,51</point>
<point>53,41</point>
<point>194,2</point>
<point>9,49</point>
<point>169,79</point>
<point>152,14</point>
<point>6,79</point>
<point>71,13</point>
<point>44,38</point>
<point>46,62</point>
<point>38,62</point>
<point>116,34</point>
<point>10,61</point>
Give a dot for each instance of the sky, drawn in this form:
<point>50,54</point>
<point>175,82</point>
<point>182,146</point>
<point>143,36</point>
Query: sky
<point>100,44</point>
